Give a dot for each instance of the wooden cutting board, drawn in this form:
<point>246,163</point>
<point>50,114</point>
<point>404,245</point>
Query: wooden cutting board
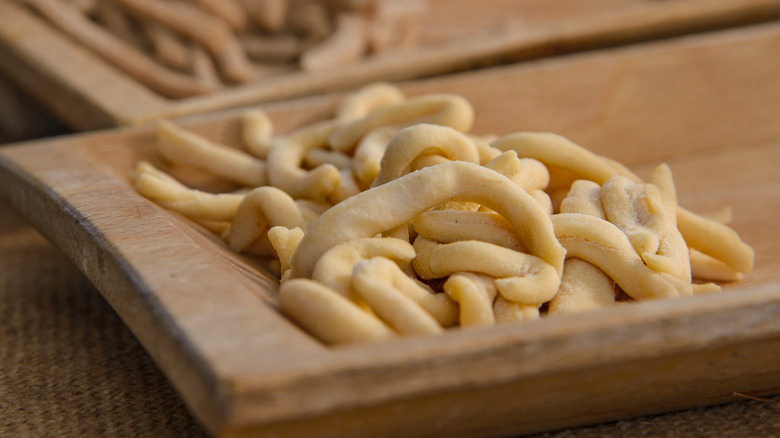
<point>705,104</point>
<point>87,93</point>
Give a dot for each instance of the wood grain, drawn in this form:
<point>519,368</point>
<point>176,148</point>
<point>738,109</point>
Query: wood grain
<point>87,93</point>
<point>207,316</point>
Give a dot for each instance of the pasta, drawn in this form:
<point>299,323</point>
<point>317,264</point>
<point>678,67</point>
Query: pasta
<point>390,219</point>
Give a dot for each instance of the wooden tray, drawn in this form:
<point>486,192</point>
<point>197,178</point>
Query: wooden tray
<point>707,105</point>
<point>86,93</point>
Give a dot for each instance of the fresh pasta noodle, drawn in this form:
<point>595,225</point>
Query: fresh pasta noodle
<point>391,219</point>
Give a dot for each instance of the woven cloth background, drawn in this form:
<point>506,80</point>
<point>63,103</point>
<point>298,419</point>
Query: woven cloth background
<point>70,367</point>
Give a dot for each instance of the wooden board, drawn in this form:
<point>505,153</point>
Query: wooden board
<point>87,93</point>
<point>704,104</point>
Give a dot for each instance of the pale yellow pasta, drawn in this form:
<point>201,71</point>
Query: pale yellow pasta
<point>637,210</point>
<point>419,140</point>
<point>447,226</point>
<point>257,132</point>
<point>284,241</point>
<point>285,159</point>
<point>368,99</point>
<point>166,191</point>
<point>261,209</point>
<point>474,295</point>
<point>184,147</point>
<point>706,288</point>
<point>583,287</point>
<point>311,210</point>
<point>716,240</point>
<point>559,152</point>
<point>393,204</point>
<point>427,160</point>
<point>399,301</point>
<point>368,154</point>
<point>439,109</point>
<point>438,305</point>
<point>520,277</point>
<point>486,152</point>
<point>527,173</point>
<point>584,197</point>
<point>346,197</point>
<point>506,311</point>
<point>347,187</point>
<point>328,315</point>
<point>604,245</point>
<point>318,157</point>
<point>709,268</point>
<point>334,268</point>
<point>661,177</point>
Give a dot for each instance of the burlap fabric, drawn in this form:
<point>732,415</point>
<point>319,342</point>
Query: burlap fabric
<point>70,367</point>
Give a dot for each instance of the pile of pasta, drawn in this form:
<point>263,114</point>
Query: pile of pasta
<point>390,219</point>
<point>182,48</point>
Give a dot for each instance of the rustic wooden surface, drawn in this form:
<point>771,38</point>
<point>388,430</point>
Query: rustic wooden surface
<point>87,93</point>
<point>704,104</point>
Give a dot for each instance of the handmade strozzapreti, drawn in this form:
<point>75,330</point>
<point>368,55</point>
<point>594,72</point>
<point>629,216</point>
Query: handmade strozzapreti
<point>391,219</point>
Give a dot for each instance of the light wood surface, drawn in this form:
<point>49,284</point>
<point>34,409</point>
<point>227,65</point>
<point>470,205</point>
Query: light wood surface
<point>87,93</point>
<point>705,104</point>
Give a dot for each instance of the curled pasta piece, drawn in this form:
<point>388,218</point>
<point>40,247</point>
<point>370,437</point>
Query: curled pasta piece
<point>527,173</point>
<point>285,159</point>
<point>640,212</point>
<point>284,241</point>
<point>709,268</point>
<point>520,277</point>
<point>328,315</point>
<point>673,256</point>
<point>506,311</point>
<point>393,204</point>
<point>604,245</point>
<point>583,287</point>
<point>261,209</point>
<point>334,268</point>
<point>558,151</point>
<point>427,160</point>
<point>318,157</point>
<point>398,300</point>
<point>716,240</point>
<point>311,210</point>
<point>347,187</point>
<point>170,193</point>
<point>706,288</point>
<point>423,139</point>
<point>438,109</point>
<point>158,185</point>
<point>584,197</point>
<point>367,99</point>
<point>486,152</point>
<point>438,305</point>
<point>256,132</point>
<point>661,177</point>
<point>637,210</point>
<point>555,151</point>
<point>184,147</point>
<point>474,295</point>
<point>367,159</point>
<point>447,226</point>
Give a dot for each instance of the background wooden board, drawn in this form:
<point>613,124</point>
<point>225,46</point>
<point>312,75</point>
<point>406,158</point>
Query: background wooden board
<point>207,316</point>
<point>86,93</point>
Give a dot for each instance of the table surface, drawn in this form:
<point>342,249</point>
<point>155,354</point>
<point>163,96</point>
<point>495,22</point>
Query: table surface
<point>70,367</point>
